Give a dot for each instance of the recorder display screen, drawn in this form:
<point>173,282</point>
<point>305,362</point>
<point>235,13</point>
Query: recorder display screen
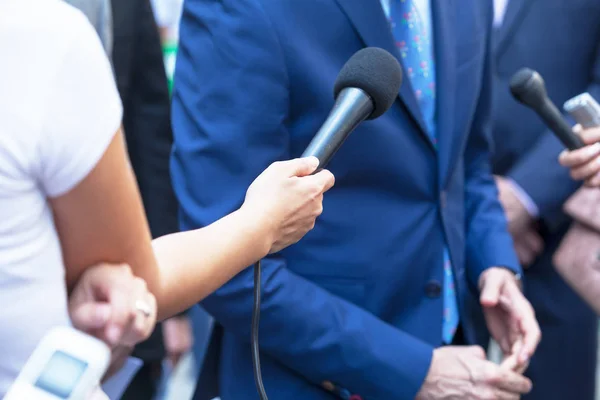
<point>61,374</point>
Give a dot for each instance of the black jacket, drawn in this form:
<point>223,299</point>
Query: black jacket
<point>142,83</point>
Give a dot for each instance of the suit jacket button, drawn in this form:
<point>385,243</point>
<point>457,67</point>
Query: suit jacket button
<point>327,385</point>
<point>433,289</point>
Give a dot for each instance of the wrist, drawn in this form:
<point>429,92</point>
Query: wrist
<point>258,227</point>
<point>428,385</point>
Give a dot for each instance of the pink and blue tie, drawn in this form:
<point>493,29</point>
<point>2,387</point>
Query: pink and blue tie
<point>416,51</point>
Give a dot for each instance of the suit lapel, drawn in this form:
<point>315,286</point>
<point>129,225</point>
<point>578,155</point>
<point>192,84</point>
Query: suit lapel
<point>513,17</point>
<point>369,21</point>
<point>444,22</point>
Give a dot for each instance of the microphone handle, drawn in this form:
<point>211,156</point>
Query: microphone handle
<point>556,122</point>
<point>352,107</point>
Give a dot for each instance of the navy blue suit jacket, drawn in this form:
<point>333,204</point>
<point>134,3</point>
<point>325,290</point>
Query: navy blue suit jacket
<point>358,301</point>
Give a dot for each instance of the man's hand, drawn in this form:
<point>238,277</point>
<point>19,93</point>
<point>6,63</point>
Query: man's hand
<point>463,373</point>
<point>509,316</point>
<point>584,163</point>
<point>178,338</point>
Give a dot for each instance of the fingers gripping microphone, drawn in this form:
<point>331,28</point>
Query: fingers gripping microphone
<point>528,87</point>
<point>365,88</point>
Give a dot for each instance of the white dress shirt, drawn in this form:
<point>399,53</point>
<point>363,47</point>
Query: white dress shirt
<point>500,7</point>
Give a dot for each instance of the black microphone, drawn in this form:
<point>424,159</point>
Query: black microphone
<point>528,87</point>
<point>365,88</point>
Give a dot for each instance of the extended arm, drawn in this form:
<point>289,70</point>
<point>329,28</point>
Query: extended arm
<point>102,220</point>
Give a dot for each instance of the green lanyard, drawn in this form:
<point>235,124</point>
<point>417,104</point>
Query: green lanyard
<point>170,55</point>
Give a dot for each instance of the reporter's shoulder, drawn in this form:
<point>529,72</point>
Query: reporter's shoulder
<point>53,22</point>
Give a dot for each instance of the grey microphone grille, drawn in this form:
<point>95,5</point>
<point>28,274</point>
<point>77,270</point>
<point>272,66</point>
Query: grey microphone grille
<point>528,87</point>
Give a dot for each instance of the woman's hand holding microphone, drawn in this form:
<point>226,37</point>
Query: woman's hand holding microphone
<point>112,304</point>
<point>286,199</point>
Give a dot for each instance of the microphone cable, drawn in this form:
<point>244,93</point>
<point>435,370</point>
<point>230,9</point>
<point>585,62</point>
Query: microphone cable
<point>365,88</point>
<point>254,335</point>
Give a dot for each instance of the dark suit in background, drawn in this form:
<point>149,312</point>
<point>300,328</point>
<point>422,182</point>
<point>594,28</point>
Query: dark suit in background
<point>142,84</point>
<point>561,40</point>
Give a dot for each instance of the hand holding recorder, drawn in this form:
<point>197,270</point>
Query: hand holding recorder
<point>582,156</point>
<point>584,163</point>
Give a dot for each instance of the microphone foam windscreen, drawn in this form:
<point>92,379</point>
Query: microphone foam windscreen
<point>377,73</point>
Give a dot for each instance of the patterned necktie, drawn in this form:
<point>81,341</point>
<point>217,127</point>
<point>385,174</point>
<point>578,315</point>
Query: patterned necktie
<point>415,47</point>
